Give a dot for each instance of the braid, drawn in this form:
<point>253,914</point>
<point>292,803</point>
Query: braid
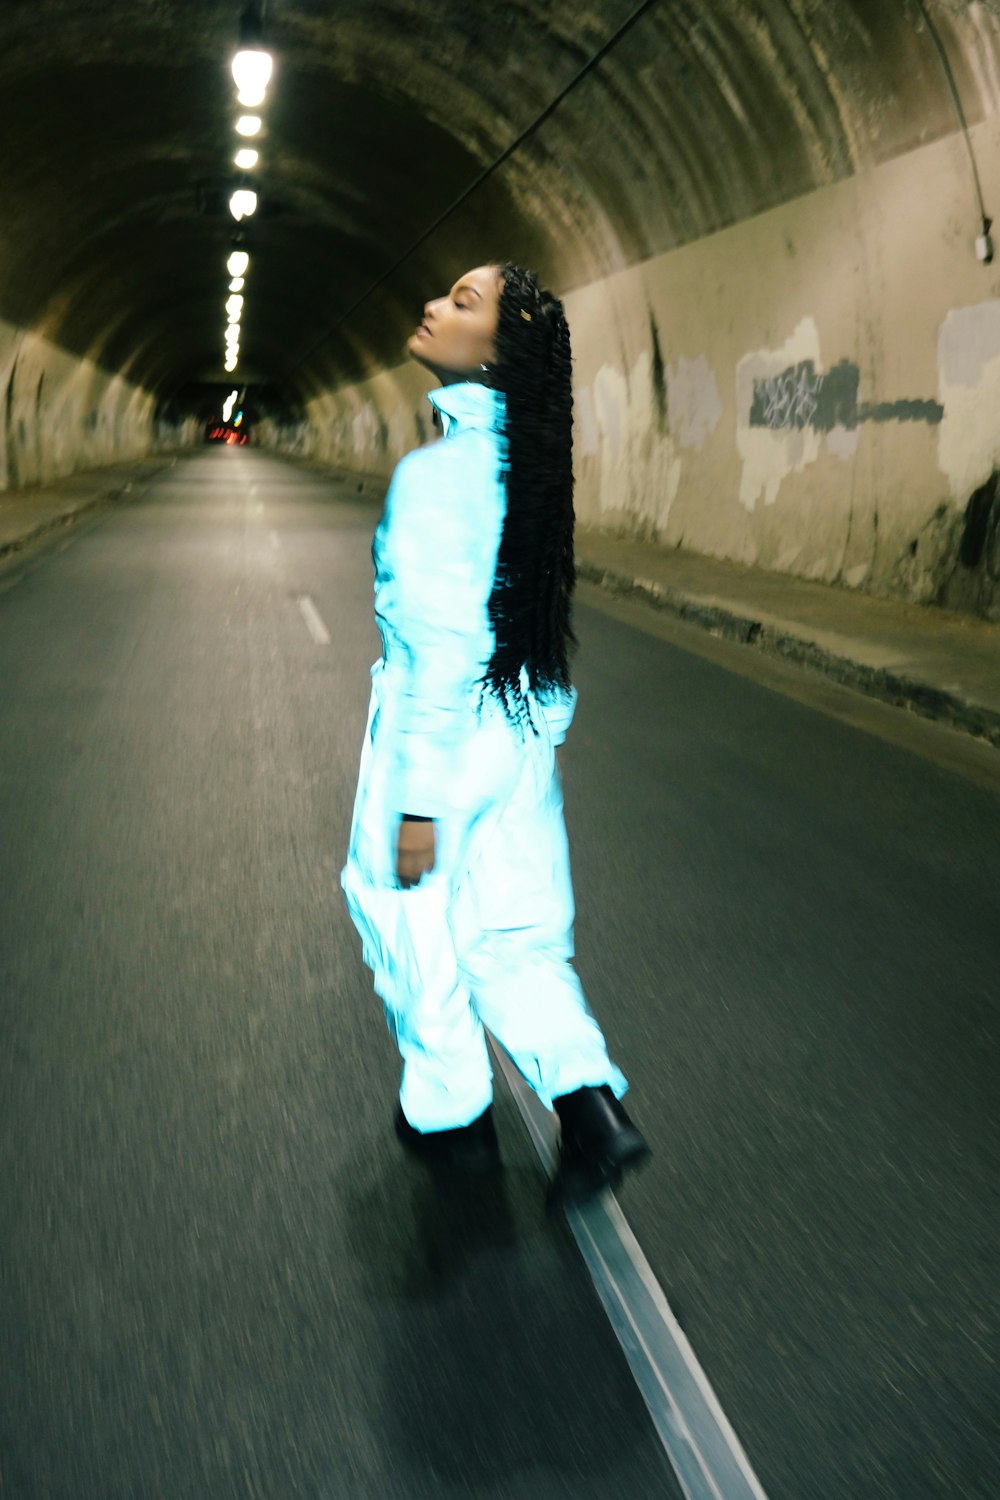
<point>530,605</point>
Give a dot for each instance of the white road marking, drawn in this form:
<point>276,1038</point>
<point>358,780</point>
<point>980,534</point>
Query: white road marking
<point>311,615</point>
<point>700,1443</point>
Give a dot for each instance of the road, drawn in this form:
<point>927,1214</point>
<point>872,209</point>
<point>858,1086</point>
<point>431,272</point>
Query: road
<point>219,1277</point>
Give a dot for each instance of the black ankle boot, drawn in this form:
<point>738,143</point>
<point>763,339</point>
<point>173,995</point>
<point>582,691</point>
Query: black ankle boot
<point>598,1143</point>
<point>468,1148</point>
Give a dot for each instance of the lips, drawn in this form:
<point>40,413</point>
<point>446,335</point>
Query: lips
<point>423,329</point>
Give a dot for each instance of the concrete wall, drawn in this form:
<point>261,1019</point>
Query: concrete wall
<point>60,414</point>
<point>815,390</point>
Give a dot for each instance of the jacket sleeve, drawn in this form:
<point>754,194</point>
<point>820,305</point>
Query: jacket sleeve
<point>558,710</point>
<point>433,611</point>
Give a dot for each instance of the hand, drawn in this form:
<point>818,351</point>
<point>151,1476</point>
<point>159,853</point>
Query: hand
<point>415,852</point>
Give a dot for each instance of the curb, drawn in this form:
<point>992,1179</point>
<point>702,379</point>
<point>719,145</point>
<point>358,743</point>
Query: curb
<point>890,687</point>
<point>68,517</point>
<point>65,518</point>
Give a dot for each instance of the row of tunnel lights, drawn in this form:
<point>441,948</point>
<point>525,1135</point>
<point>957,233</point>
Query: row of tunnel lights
<point>251,69</point>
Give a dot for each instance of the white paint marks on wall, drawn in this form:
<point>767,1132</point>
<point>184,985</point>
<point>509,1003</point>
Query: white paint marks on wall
<point>640,466</point>
<point>770,454</point>
<point>364,431</point>
<point>586,438</point>
<point>611,406</point>
<point>693,401</point>
<point>60,413</point>
<point>842,442</point>
<point>855,577</point>
<point>969,390</point>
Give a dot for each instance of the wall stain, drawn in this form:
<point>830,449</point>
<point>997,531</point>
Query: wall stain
<point>13,474</point>
<point>798,398</point>
<point>982,520</point>
<point>659,376</point>
<point>954,559</point>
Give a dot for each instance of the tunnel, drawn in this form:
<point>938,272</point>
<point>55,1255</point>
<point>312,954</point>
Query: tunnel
<point>768,224</point>
<point>771,226</point>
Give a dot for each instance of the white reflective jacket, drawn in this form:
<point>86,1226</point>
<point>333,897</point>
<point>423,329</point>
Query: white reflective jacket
<point>435,554</point>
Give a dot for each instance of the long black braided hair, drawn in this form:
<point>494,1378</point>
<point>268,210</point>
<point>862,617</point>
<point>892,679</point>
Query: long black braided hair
<point>530,605</point>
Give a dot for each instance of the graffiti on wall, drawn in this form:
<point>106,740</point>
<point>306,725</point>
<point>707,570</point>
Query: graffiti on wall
<point>798,397</point>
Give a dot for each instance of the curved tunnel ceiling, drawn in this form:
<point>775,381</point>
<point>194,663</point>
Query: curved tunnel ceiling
<point>116,143</point>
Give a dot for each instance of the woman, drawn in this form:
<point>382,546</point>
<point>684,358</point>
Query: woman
<point>458,872</point>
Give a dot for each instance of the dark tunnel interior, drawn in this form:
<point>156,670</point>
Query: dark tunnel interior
<point>765,489</point>
<point>116,139</point>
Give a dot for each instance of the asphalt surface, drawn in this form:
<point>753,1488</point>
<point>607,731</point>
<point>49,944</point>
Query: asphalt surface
<point>218,1276</point>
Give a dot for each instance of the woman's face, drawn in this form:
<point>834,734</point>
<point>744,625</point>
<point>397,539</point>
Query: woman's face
<point>459,331</point>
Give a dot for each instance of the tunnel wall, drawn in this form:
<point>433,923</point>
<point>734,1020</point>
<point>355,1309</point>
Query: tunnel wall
<point>815,390</point>
<point>60,414</point>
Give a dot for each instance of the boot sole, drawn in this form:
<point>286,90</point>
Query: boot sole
<point>580,1182</point>
<point>476,1159</point>
<point>471,1165</point>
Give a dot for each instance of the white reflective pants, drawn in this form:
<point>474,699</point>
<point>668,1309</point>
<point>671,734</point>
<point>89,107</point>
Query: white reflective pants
<point>486,938</point>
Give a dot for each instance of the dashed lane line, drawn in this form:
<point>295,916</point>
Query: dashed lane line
<point>699,1441</point>
<point>314,623</point>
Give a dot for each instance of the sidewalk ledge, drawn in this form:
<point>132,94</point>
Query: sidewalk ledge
<point>799,645</point>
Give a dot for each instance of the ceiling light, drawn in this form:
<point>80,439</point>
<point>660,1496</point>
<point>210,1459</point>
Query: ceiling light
<point>243,203</point>
<point>252,71</point>
<point>248,125</point>
<point>237,284</point>
<point>234,307</point>
<point>246,158</point>
<point>252,65</point>
<point>238,263</point>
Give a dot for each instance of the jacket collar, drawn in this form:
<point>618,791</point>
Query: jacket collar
<point>468,404</point>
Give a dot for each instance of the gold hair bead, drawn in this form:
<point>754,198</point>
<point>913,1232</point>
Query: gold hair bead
<point>525,315</point>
